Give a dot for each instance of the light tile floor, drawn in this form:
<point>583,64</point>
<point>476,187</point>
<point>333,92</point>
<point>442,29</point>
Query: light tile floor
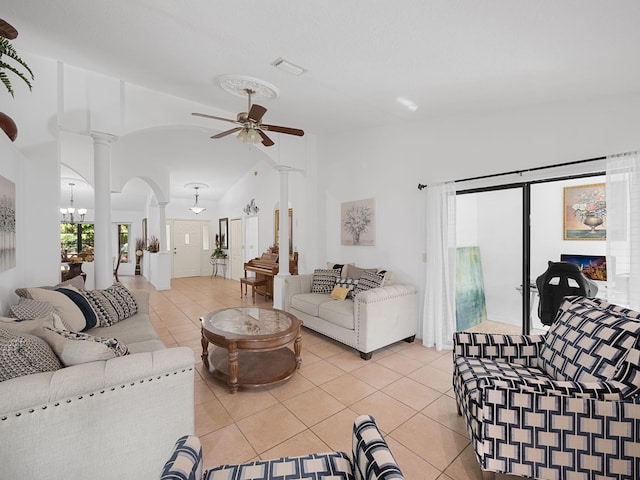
<point>406,387</point>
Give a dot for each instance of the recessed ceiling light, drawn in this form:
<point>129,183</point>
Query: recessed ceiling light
<point>407,103</point>
<point>288,67</point>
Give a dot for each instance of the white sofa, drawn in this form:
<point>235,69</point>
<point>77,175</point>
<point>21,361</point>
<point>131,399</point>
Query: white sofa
<point>374,319</point>
<point>108,419</point>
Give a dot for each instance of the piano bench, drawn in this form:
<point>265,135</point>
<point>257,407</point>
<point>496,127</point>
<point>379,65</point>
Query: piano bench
<point>254,283</point>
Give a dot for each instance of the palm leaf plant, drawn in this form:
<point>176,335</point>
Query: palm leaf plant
<point>7,51</point>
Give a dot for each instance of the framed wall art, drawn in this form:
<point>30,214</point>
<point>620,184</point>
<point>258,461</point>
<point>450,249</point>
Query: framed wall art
<point>223,226</point>
<point>358,222</point>
<point>7,224</point>
<point>585,212</point>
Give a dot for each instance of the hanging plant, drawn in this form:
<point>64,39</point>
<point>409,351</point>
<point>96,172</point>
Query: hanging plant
<point>7,51</point>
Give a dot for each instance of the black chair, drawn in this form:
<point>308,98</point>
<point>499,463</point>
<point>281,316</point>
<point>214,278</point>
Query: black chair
<point>560,280</point>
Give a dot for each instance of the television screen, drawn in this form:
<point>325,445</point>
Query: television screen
<point>593,266</point>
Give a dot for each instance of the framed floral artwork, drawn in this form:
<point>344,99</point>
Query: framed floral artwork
<point>585,212</point>
<point>358,220</point>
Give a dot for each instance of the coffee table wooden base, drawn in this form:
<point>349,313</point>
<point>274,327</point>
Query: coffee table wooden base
<point>254,369</point>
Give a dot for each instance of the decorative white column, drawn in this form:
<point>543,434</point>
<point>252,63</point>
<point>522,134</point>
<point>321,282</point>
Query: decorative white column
<point>103,257</point>
<point>162,220</point>
<point>284,235</point>
<point>160,277</point>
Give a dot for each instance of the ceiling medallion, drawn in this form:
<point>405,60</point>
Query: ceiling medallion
<point>239,84</point>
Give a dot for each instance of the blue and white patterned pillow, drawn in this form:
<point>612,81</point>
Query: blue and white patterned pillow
<point>112,304</point>
<point>24,354</point>
<point>367,281</point>
<point>324,280</point>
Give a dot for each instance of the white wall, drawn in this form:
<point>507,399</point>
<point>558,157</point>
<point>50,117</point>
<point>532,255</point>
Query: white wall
<point>37,222</point>
<point>389,163</point>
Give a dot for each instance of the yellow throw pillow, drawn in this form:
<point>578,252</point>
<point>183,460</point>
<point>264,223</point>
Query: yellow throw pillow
<point>339,293</point>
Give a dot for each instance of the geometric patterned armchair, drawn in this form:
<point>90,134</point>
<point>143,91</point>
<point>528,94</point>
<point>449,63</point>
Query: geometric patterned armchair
<point>372,460</point>
<point>559,406</point>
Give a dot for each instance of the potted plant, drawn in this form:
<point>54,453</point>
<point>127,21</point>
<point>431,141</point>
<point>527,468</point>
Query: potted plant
<point>218,252</point>
<point>153,245</point>
<point>7,33</point>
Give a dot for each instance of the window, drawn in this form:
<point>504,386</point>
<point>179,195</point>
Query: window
<point>123,242</point>
<point>75,238</point>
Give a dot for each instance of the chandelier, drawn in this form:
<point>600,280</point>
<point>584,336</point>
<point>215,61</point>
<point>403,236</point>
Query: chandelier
<point>196,208</point>
<point>68,214</point>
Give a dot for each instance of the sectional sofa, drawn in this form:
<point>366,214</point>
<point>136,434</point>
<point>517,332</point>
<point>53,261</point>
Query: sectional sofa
<point>111,418</point>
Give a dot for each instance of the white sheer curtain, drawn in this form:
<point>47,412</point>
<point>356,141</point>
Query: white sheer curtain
<point>439,318</point>
<point>623,229</point>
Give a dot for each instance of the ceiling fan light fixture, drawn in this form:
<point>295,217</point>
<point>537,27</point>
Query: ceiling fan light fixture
<point>288,67</point>
<point>249,135</point>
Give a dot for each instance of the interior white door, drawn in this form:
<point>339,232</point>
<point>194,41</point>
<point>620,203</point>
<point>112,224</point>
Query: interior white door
<point>235,248</point>
<point>187,245</point>
<point>251,245</point>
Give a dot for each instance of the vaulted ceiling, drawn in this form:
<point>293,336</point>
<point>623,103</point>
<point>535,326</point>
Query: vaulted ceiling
<point>360,56</point>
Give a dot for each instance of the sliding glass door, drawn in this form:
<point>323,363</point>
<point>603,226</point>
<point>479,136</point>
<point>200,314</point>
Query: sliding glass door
<point>516,230</point>
<point>489,260</point>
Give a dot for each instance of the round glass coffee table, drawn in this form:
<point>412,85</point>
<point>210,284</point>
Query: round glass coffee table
<point>254,345</point>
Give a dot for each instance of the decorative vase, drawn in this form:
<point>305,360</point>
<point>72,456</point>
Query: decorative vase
<point>9,126</point>
<point>592,220</point>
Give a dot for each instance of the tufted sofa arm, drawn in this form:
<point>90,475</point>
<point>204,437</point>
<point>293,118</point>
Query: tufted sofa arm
<point>522,349</point>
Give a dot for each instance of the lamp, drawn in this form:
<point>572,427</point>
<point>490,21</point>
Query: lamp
<point>197,209</point>
<point>68,213</point>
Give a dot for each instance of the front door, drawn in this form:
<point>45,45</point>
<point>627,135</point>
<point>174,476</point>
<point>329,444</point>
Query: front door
<point>187,246</point>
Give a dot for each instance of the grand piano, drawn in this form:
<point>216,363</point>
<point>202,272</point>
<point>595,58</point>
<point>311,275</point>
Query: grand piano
<point>266,267</point>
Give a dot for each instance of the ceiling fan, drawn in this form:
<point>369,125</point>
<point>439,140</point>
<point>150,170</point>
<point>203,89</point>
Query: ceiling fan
<point>251,129</point>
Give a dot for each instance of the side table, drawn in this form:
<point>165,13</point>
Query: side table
<point>217,262</point>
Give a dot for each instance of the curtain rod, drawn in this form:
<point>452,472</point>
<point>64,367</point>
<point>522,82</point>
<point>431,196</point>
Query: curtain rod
<point>421,186</point>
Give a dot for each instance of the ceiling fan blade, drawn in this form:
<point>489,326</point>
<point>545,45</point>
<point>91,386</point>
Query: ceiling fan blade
<point>214,117</point>
<point>276,128</point>
<point>228,132</point>
<point>266,141</point>
<point>256,113</point>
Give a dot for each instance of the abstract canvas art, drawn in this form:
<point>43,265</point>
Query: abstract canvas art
<point>471,307</point>
<point>7,224</point>
<point>358,222</point>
